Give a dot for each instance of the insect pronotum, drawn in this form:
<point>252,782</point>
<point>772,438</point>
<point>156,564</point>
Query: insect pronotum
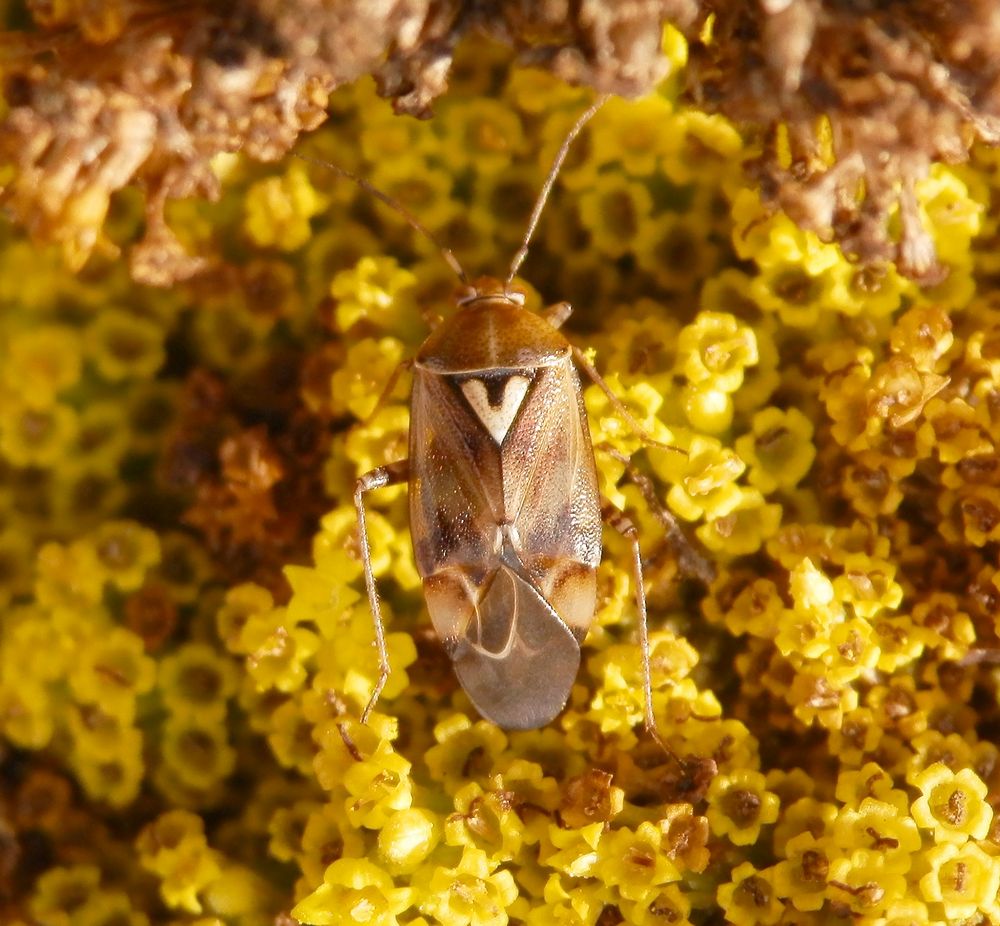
<point>505,512</point>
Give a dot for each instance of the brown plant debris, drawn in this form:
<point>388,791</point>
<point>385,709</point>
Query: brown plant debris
<point>148,91</point>
<point>903,83</point>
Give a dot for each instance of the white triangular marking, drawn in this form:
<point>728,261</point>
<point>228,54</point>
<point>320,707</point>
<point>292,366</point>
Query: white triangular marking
<point>496,418</point>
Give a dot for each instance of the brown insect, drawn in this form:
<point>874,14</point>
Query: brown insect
<point>505,512</point>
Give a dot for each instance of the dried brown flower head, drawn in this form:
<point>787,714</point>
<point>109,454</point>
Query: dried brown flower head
<point>902,84</point>
<point>178,84</point>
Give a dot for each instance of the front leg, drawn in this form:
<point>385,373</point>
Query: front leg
<point>379,478</point>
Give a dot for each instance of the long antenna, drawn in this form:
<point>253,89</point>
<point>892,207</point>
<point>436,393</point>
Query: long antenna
<point>413,221</point>
<point>536,214</point>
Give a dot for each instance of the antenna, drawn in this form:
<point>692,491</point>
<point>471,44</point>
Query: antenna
<point>411,219</point>
<point>536,214</point>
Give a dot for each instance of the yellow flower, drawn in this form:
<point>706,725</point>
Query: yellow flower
<point>801,877</point>
<point>348,660</point>
<point>196,679</point>
<point>634,133</point>
<point>407,838</point>
<point>805,815</point>
<point>277,650</point>
<point>574,851</point>
<point>755,610</point>
<point>818,698</point>
<point>111,670</point>
<point>196,751</point>
<point>290,738</point>
<point>779,449</point>
<point>36,436</point>
<point>423,189</point>
<point>61,892</point>
<point>744,528</point>
<point>483,134</point>
<point>704,146</point>
<point>859,734</point>
<point>868,585</point>
<point>102,437</point>
<point>110,908</point>
<point>881,830</point>
<point>376,290</point>
<point>109,765</point>
<point>862,886</point>
<point>952,804</point>
<point>382,438</point>
<point>321,594</point>
<point>277,209</point>
<point>385,137</point>
<point>125,552</point>
<point>328,836</point>
<point>616,211</point>
<point>240,604</point>
<point>739,805</point>
<point>173,847</point>
<point>948,212</point>
<point>668,904</point>
<point>464,750</point>
<point>354,891</point>
<point>472,893</point>
<point>715,348</point>
<point>676,251</point>
<point>27,718</point>
<point>487,820</point>
<point>963,879</point>
<point>870,781</point>
<point>749,897</point>
<point>124,346</point>
<point>42,362</point>
<point>799,297</point>
<point>906,912</point>
<point>378,786</point>
<point>703,480</point>
<point>923,333</point>
<point>634,861</point>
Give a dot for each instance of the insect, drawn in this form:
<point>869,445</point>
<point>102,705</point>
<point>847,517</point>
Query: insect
<point>505,512</point>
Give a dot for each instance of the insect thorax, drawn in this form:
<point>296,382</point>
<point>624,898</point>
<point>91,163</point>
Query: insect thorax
<point>492,333</point>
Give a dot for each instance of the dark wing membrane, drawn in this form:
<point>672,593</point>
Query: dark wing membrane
<point>549,477</point>
<point>517,660</point>
<point>455,492</point>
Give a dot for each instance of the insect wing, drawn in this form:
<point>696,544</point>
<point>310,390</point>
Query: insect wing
<point>517,660</point>
<point>549,475</point>
<point>456,491</point>
<point>510,609</point>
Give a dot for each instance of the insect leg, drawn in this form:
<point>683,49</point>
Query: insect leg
<point>689,560</point>
<point>378,478</point>
<point>557,313</point>
<point>623,524</point>
<point>584,364</point>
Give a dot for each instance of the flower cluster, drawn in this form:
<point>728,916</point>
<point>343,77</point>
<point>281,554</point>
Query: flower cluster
<point>186,642</point>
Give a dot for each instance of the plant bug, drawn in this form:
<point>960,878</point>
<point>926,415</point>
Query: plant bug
<point>505,512</point>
